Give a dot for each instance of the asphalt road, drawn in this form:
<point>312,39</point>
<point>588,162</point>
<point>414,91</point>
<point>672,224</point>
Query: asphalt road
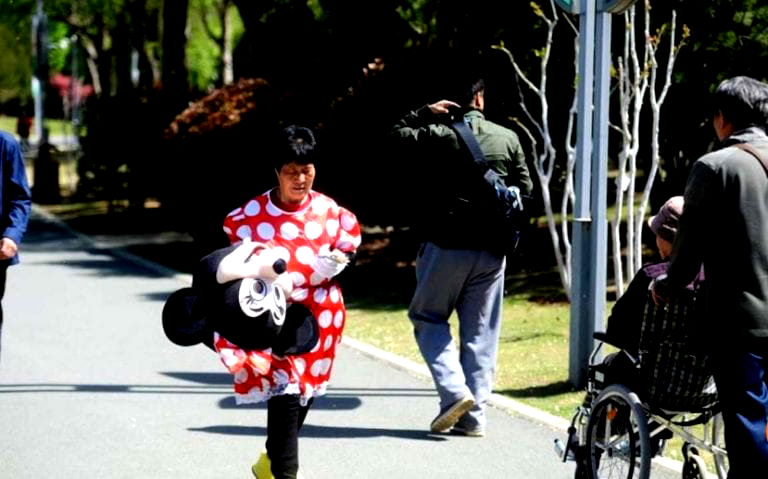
<point>91,388</point>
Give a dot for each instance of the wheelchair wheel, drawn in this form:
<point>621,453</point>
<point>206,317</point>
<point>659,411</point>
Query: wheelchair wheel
<point>618,444</point>
<point>718,443</point>
<point>693,467</point>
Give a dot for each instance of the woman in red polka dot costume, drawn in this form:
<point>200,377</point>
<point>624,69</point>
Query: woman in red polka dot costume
<point>316,237</point>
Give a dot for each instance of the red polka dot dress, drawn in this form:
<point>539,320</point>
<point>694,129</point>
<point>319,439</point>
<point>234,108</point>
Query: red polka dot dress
<point>298,236</point>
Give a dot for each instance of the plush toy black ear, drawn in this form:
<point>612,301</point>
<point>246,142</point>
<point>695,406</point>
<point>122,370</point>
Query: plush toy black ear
<point>184,322</point>
<point>229,320</point>
<point>300,332</point>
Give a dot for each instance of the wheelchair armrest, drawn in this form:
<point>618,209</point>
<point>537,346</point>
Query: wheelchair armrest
<point>602,336</point>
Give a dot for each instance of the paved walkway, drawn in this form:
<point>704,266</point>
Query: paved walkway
<point>90,387</point>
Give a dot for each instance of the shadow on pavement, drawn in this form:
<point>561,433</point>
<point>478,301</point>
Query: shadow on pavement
<point>309,430</point>
<point>546,390</point>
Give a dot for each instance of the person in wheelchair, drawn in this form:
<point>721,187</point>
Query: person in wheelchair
<point>625,320</point>
<point>655,339</point>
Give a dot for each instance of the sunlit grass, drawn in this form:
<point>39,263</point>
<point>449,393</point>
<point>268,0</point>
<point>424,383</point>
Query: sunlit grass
<point>55,127</point>
<point>533,349</point>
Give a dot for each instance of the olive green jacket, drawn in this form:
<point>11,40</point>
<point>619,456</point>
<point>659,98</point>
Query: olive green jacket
<point>448,213</point>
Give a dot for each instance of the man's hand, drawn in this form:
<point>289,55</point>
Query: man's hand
<point>442,107</point>
<point>8,248</point>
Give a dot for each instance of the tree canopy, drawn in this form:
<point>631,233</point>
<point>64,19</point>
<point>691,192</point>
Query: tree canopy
<point>346,67</point>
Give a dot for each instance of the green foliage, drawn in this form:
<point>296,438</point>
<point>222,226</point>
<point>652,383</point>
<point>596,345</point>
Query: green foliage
<point>15,66</point>
<point>60,45</point>
<point>203,52</point>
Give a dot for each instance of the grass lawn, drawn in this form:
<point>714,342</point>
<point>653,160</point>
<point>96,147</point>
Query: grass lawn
<point>55,127</point>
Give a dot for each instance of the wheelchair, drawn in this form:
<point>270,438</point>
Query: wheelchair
<point>622,425</point>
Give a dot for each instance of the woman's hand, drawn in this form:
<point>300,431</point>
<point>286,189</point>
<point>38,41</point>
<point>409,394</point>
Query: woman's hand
<point>328,263</point>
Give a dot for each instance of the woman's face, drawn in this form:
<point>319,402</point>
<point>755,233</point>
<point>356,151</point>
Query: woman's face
<point>294,182</point>
<point>664,246</point>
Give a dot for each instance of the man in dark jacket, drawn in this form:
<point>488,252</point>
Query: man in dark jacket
<point>460,264</point>
<point>15,202</point>
<point>725,226</point>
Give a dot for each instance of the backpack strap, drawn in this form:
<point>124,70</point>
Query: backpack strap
<point>754,152</point>
<point>466,137</point>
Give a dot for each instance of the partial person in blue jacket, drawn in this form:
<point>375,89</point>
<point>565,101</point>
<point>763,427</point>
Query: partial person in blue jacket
<point>15,203</point>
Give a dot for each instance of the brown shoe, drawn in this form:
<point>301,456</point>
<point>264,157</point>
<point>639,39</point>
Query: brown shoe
<point>450,416</point>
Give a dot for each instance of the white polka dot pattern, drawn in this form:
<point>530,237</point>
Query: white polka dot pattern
<point>298,278</point>
<point>334,294</point>
<point>338,319</point>
<point>265,231</point>
<point>348,222</point>
<point>299,294</point>
<point>313,230</point>
<point>289,231</point>
<point>324,318</point>
<point>297,238</point>
<point>252,208</point>
<point>244,232</point>
<point>315,279</point>
<point>332,227</point>
<point>320,294</point>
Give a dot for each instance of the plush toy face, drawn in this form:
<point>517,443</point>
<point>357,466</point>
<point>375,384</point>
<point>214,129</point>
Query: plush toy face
<point>259,296</point>
<point>239,292</point>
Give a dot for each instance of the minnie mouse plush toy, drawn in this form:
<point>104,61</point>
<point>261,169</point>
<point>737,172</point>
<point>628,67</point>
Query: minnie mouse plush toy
<point>240,293</point>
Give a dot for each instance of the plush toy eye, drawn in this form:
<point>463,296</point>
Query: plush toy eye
<point>258,289</point>
<point>278,312</point>
<point>258,297</point>
<point>252,297</point>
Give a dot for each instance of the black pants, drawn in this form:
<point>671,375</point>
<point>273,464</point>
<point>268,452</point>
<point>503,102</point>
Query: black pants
<point>3,270</point>
<point>285,416</point>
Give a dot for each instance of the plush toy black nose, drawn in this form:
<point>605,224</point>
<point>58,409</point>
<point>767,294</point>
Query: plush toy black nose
<point>279,266</point>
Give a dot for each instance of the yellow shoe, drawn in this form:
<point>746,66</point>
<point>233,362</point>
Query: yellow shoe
<point>262,469</point>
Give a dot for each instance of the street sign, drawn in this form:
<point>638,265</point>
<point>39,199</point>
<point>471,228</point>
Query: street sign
<point>609,6</point>
<point>613,6</point>
<point>570,6</point>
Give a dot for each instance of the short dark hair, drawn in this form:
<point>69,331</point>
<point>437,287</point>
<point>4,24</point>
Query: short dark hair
<point>469,87</point>
<point>296,144</point>
<point>743,101</point>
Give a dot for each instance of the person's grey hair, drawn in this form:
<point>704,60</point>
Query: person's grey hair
<point>743,101</point>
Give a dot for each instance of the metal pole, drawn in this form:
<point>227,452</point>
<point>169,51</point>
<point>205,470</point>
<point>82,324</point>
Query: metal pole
<point>599,228</point>
<point>581,328</point>
<point>40,75</point>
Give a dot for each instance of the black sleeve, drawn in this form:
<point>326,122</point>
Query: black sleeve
<point>626,316</point>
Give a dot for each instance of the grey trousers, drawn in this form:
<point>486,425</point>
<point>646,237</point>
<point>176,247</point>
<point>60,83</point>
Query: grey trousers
<point>471,283</point>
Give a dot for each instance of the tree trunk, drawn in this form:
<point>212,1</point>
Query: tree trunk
<point>174,70</point>
<point>227,69</point>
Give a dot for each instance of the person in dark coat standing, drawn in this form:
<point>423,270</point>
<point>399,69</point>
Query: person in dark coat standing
<point>724,226</point>
<point>15,204</point>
